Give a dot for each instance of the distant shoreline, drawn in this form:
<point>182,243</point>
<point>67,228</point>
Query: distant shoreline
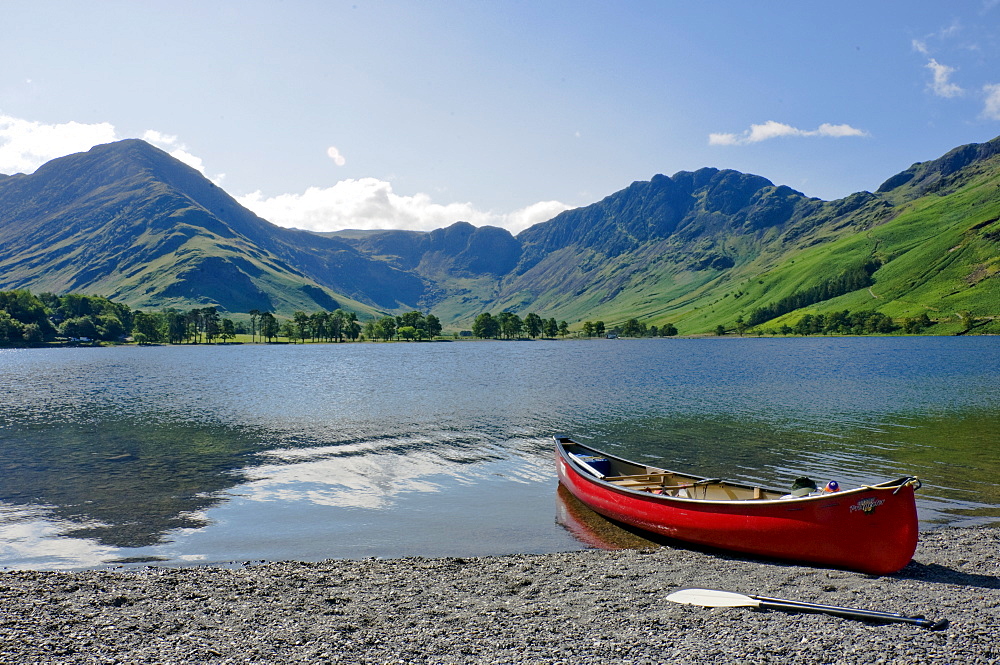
<point>702,336</point>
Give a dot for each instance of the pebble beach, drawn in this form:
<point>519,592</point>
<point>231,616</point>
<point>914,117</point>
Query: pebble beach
<point>590,606</point>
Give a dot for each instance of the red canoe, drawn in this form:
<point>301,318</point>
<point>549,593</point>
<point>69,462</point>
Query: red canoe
<point>872,529</point>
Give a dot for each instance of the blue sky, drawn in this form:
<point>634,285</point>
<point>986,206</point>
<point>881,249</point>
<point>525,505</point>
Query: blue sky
<point>328,115</point>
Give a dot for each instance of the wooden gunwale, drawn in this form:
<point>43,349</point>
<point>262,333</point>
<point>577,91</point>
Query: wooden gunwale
<point>610,483</point>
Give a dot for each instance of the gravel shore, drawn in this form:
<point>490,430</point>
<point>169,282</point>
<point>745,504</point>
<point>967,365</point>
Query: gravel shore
<point>591,606</point>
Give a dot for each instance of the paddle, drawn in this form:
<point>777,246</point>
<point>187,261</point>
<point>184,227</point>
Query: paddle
<point>713,598</point>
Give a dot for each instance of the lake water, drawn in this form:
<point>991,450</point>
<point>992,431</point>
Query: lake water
<point>215,454</point>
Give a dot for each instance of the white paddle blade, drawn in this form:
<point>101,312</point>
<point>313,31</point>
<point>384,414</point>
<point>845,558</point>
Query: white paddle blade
<point>712,598</point>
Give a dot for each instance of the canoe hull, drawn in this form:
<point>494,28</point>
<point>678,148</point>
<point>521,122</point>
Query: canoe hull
<point>870,529</point>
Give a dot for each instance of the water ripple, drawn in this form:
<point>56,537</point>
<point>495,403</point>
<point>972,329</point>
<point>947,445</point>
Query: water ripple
<point>183,453</point>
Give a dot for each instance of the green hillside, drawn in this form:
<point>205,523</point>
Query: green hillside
<point>930,238</point>
<point>129,222</point>
<point>939,255</point>
<point>698,249</point>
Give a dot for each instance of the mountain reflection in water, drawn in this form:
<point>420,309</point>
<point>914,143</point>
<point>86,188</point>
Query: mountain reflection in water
<point>214,454</point>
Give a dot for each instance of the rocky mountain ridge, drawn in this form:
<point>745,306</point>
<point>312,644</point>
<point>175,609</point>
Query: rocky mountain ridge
<point>127,221</point>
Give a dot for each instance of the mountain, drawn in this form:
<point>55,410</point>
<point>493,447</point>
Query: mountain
<point>128,221</point>
<point>697,249</point>
<point>701,249</point>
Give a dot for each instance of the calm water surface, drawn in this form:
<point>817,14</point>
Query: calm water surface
<point>215,454</point>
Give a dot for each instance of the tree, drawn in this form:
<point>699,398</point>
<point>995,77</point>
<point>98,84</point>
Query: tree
<point>533,324</point>
<point>25,308</point>
<point>110,328</point>
<point>254,318</point>
<point>631,328</point>
<point>511,325</point>
<point>193,325</point>
<point>11,331</point>
<point>33,334</point>
<point>407,332</point>
<point>319,323</point>
<point>668,330</point>
<point>213,325</point>
<point>485,326</point>
<point>369,329</point>
<point>588,328</point>
<point>720,330</point>
<point>551,328</point>
<point>599,328</point>
<point>228,330</point>
<point>413,319</point>
<point>352,329</point>
<point>741,326</point>
<point>563,328</point>
<point>301,321</point>
<point>176,326</point>
<point>335,324</point>
<point>81,326</point>
<point>268,326</point>
<point>388,327</point>
<point>151,325</point>
<point>433,326</point>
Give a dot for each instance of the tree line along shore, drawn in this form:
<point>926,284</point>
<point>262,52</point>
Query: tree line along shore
<point>39,320</point>
<point>29,320</point>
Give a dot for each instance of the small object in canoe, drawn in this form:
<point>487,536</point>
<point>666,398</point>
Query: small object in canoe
<point>803,487</point>
<point>871,529</point>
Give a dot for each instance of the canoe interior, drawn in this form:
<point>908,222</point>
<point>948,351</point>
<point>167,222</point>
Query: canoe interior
<point>629,475</point>
<point>872,528</point>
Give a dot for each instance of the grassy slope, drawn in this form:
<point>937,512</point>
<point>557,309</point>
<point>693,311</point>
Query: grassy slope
<point>940,254</point>
<point>129,222</point>
<point>938,258</point>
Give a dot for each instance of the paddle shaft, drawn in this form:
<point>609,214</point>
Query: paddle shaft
<point>849,612</point>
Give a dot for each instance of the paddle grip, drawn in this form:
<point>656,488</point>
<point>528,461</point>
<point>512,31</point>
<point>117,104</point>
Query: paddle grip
<point>850,613</point>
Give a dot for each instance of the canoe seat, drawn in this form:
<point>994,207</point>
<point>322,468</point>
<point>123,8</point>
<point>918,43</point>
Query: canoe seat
<point>642,477</point>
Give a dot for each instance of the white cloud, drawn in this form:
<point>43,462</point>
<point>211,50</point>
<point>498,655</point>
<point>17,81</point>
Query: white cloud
<point>159,138</point>
<point>772,130</point>
<point>992,108</point>
<point>25,145</point>
<point>179,151</point>
<point>335,155</point>
<point>920,46</point>
<point>837,131</point>
<point>941,84</point>
<point>951,30</point>
<point>366,203</point>
<point>723,139</point>
<point>370,203</point>
<point>536,213</point>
